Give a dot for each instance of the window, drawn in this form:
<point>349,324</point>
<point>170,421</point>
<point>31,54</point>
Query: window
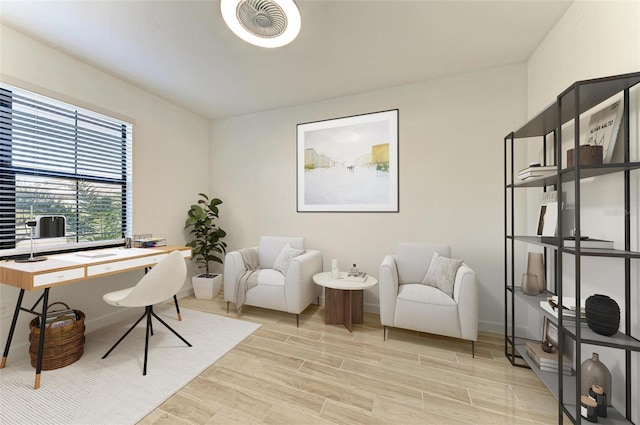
<point>57,159</point>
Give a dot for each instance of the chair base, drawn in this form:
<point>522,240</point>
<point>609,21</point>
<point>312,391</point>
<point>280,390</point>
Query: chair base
<point>473,343</point>
<point>148,313</point>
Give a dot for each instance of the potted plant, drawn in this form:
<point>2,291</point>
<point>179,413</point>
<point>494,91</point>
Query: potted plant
<point>207,245</point>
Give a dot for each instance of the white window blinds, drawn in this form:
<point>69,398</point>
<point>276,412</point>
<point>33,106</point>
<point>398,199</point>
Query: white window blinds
<point>61,160</point>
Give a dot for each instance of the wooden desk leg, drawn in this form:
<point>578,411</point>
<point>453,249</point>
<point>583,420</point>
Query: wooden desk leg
<point>13,328</point>
<point>43,318</point>
<point>175,300</point>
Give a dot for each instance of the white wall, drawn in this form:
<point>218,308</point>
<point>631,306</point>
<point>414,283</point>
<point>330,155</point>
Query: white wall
<point>170,161</point>
<point>597,39</point>
<point>451,155</point>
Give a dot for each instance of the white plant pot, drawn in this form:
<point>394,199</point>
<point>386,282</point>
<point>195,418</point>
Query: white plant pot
<point>206,288</point>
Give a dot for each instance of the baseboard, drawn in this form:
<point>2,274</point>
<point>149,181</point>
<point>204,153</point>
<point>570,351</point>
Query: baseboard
<point>492,327</point>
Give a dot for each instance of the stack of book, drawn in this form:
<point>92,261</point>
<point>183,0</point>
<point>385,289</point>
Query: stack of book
<point>537,171</point>
<point>568,307</point>
<point>547,362</point>
<point>60,318</point>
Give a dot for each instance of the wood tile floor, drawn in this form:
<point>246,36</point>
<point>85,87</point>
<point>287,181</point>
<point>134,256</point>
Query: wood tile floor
<point>322,374</point>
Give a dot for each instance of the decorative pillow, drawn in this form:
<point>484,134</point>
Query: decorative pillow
<point>284,258</point>
<point>442,273</point>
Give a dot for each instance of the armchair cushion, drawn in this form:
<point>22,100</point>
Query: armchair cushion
<point>270,246</point>
<point>284,258</point>
<point>413,260</point>
<point>442,273</point>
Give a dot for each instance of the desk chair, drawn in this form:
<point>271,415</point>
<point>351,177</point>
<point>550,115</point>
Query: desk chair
<point>161,283</point>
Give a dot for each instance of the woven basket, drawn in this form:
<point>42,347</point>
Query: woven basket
<point>62,346</point>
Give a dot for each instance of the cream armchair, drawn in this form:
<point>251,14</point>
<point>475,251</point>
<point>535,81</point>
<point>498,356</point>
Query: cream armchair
<point>405,302</point>
<point>292,291</point>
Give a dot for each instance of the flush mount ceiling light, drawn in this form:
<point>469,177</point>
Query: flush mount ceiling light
<point>264,23</point>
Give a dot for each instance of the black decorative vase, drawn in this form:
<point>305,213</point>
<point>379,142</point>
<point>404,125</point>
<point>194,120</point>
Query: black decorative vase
<point>603,314</point>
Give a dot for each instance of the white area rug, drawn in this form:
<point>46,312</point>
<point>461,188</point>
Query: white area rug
<point>113,391</point>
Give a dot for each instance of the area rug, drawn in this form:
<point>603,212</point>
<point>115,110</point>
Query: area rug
<point>114,391</point>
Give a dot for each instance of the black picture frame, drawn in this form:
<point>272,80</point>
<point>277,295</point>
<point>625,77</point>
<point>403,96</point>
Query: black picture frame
<point>349,164</point>
<point>549,335</point>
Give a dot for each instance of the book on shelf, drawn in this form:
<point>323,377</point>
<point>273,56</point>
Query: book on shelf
<point>537,171</point>
<point>356,277</point>
<point>555,370</point>
<point>570,242</point>
<point>535,351</point>
<point>547,362</point>
<point>552,306</point>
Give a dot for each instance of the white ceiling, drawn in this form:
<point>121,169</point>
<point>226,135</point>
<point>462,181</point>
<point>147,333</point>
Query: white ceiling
<point>182,51</point>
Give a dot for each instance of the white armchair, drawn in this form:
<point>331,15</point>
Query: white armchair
<point>405,302</point>
<point>292,292</point>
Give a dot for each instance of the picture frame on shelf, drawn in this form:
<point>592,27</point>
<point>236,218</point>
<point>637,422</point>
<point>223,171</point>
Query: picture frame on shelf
<point>548,220</point>
<point>543,210</point>
<point>348,164</point>
<point>603,128</point>
<point>549,335</point>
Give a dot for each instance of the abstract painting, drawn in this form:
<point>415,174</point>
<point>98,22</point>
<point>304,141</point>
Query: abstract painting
<point>348,164</point>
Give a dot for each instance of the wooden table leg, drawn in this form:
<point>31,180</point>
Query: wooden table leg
<point>347,306</point>
<point>333,309</point>
<point>357,306</point>
<point>343,307</point>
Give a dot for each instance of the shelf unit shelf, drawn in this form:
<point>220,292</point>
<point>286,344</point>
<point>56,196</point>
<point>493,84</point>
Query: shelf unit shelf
<point>569,174</point>
<point>581,97</point>
<point>618,340</point>
<point>591,252</point>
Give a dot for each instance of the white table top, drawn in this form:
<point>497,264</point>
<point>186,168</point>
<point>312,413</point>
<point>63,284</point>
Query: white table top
<point>325,279</point>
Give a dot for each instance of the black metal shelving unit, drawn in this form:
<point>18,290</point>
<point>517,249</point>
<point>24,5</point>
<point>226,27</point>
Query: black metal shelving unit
<point>572,332</point>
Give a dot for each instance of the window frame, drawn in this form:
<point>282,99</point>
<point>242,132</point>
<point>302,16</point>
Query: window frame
<point>120,149</point>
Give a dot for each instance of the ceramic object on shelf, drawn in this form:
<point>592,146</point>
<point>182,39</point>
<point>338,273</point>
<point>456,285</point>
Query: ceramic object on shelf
<point>603,314</point>
<point>535,265</point>
<point>588,408</point>
<point>529,284</point>
<point>594,372</point>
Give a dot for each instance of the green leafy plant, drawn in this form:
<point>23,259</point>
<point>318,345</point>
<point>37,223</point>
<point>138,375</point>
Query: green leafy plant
<point>207,245</point>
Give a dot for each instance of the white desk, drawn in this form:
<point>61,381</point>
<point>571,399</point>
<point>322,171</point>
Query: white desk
<point>62,269</point>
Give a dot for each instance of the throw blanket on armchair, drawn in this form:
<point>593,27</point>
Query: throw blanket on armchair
<point>249,277</point>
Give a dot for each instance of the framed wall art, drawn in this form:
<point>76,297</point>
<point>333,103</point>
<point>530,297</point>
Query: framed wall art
<point>348,164</point>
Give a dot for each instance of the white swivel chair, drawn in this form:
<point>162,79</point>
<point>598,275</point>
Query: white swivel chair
<point>161,283</point>
<point>289,289</point>
<point>405,302</point>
